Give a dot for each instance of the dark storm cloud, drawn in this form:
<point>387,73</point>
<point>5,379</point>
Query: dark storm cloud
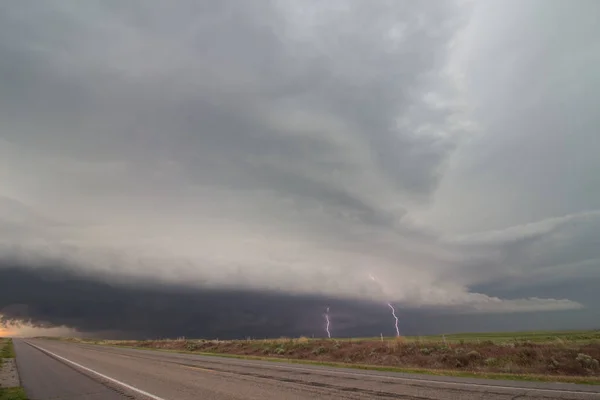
<point>54,295</point>
<point>297,147</point>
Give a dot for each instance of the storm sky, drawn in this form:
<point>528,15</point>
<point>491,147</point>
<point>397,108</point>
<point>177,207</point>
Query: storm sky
<point>215,152</point>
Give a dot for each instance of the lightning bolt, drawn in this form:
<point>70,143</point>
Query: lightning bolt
<point>396,318</point>
<point>390,306</point>
<point>327,323</point>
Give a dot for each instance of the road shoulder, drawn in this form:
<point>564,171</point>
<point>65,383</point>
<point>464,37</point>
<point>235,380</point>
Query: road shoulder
<point>44,377</point>
<point>9,375</point>
<point>10,384</point>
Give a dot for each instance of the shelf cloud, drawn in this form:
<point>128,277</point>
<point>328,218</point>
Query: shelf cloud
<point>295,149</point>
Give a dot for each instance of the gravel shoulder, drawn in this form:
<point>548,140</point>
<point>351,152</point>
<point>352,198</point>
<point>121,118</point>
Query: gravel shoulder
<point>9,375</point>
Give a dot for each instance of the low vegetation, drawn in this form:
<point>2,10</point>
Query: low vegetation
<point>7,351</point>
<point>507,337</point>
<point>16,393</point>
<point>567,356</point>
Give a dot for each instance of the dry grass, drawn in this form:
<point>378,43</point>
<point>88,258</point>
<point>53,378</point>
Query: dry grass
<point>6,349</point>
<point>559,357</point>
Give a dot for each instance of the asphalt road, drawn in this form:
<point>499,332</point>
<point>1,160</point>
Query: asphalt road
<point>60,371</point>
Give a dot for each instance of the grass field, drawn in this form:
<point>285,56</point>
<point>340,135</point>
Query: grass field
<point>570,356</point>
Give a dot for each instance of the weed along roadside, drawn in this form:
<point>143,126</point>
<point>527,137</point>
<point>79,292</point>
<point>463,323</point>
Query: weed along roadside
<point>557,357</point>
<point>9,379</point>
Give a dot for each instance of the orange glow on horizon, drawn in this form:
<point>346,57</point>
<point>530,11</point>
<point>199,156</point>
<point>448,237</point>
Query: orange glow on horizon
<point>5,332</point>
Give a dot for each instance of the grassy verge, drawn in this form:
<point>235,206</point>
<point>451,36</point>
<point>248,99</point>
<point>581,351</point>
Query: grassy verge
<point>12,394</point>
<point>7,350</point>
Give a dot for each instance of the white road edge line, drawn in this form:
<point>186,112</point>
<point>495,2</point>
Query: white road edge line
<point>118,382</point>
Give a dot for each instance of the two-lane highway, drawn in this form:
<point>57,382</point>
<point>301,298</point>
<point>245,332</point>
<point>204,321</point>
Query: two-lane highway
<point>58,370</point>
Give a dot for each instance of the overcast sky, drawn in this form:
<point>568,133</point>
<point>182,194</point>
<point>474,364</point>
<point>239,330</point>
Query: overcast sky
<point>448,148</point>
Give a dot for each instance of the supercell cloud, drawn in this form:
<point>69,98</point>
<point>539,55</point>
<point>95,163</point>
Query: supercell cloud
<point>293,148</point>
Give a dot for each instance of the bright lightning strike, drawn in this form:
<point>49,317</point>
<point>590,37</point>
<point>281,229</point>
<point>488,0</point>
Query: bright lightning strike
<point>327,323</point>
<point>390,306</point>
<point>396,318</point>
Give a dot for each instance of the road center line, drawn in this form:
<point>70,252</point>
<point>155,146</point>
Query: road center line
<point>118,382</point>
